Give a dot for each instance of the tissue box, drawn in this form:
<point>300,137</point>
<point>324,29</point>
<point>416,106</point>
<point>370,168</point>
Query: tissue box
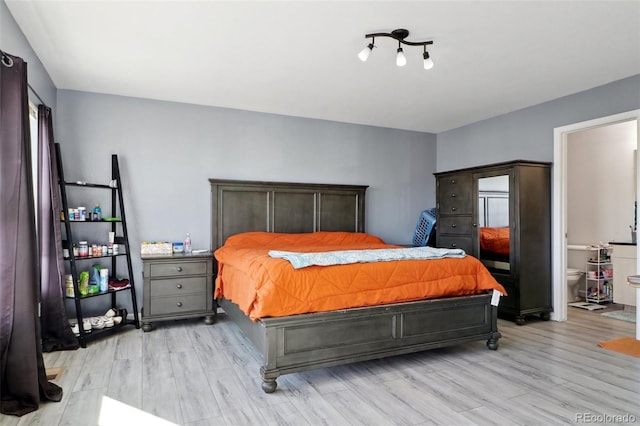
<point>155,248</point>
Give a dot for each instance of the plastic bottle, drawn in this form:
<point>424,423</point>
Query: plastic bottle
<point>187,244</point>
<point>94,279</point>
<point>97,212</point>
<point>104,280</point>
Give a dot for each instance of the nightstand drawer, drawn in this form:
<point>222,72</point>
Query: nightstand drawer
<point>174,269</point>
<point>177,304</point>
<point>178,286</point>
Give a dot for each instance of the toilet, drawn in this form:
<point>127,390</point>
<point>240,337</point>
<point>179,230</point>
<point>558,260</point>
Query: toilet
<point>573,277</point>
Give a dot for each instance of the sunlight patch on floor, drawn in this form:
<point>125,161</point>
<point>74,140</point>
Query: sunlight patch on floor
<point>117,413</point>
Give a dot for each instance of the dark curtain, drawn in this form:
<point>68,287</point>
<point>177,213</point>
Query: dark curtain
<point>56,333</point>
<point>23,379</point>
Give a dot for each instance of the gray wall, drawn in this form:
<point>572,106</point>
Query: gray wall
<point>12,41</point>
<point>168,151</point>
<point>528,133</point>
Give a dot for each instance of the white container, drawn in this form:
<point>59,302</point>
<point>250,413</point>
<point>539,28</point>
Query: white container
<point>69,285</point>
<point>83,249</point>
<point>187,244</point>
<point>104,280</point>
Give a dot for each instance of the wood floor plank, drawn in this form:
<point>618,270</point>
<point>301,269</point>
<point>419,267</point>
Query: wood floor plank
<point>226,388</point>
<point>282,414</point>
<point>434,409</point>
<point>310,403</point>
<point>83,407</point>
<point>125,383</point>
<point>356,410</point>
<point>246,416</point>
<point>128,344</point>
<point>178,339</point>
<point>97,368</point>
<point>194,394</point>
<point>385,400</point>
<point>454,394</point>
<point>155,341</point>
<point>159,388</point>
<point>322,381</point>
<point>69,358</point>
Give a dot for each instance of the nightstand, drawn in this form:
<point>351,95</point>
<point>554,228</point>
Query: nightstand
<point>176,287</point>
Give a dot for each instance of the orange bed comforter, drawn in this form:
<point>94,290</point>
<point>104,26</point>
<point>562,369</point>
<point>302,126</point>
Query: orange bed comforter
<point>268,287</point>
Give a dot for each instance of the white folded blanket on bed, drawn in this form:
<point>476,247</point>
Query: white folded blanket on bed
<point>343,257</point>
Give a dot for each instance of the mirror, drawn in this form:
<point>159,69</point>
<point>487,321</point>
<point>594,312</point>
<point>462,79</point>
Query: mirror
<point>493,222</point>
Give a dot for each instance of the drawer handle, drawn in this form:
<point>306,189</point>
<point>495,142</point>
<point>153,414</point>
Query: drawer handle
<point>179,286</point>
<point>475,225</point>
<point>453,209</point>
<point>179,304</point>
<point>453,181</point>
<point>453,244</point>
<point>453,195</point>
<point>179,269</point>
<point>453,225</point>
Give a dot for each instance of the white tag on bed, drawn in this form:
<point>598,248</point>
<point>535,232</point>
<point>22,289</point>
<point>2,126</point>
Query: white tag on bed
<point>495,297</point>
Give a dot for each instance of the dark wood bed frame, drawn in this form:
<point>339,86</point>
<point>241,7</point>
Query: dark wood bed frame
<point>303,342</point>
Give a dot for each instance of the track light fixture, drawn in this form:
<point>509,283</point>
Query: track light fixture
<point>400,35</point>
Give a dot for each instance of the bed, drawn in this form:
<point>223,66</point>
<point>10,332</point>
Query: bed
<point>304,341</point>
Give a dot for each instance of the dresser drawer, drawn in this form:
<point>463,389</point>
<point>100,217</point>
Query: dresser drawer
<point>178,286</point>
<point>459,225</point>
<point>176,305</point>
<point>455,194</point>
<point>176,269</point>
<point>447,241</point>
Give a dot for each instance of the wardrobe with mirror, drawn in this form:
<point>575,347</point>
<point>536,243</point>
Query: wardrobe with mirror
<point>501,214</point>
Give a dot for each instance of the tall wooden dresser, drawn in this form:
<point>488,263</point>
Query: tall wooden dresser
<point>501,214</point>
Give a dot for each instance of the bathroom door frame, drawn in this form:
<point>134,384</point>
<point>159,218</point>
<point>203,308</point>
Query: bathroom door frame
<point>559,209</point>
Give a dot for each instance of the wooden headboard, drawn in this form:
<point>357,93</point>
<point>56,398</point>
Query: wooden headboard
<point>242,206</point>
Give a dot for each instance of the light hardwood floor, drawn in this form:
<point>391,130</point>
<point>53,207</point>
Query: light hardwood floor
<point>188,373</point>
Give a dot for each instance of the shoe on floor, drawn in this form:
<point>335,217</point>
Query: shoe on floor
<point>74,328</point>
<point>86,325</point>
<point>108,321</point>
<point>97,323</point>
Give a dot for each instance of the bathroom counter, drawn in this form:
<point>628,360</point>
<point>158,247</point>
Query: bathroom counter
<point>624,261</point>
<point>622,243</point>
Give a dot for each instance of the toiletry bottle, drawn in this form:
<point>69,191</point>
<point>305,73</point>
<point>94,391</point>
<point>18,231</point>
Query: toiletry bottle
<point>187,244</point>
<point>97,212</point>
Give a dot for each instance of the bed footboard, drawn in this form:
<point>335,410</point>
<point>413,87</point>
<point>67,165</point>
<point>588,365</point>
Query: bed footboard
<point>308,341</point>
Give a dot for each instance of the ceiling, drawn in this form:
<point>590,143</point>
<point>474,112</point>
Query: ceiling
<point>299,58</point>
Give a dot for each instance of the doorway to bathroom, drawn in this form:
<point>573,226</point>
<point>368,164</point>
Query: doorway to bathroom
<point>591,136</point>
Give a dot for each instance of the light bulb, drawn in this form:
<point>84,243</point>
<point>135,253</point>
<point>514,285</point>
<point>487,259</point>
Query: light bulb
<point>364,53</point>
<point>428,62</point>
<point>401,61</point>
